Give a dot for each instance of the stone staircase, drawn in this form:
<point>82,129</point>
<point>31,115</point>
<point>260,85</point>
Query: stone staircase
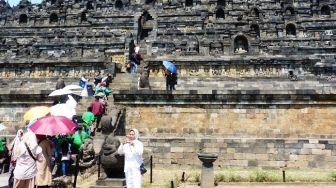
<point>124,81</point>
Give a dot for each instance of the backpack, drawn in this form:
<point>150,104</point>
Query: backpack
<point>81,83</point>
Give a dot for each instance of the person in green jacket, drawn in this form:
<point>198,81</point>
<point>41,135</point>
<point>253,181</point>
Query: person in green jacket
<point>101,87</point>
<point>78,137</point>
<point>88,119</point>
<point>2,145</point>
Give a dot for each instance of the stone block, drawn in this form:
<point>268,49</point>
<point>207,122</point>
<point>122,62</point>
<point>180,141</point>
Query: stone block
<point>317,151</point>
<point>252,163</point>
<point>305,151</point>
<point>176,149</point>
<point>241,163</point>
<point>262,157</point>
<point>176,155</point>
<point>231,150</point>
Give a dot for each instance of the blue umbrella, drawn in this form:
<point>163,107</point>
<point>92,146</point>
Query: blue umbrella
<point>169,66</point>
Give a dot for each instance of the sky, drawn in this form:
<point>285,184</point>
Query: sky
<point>15,2</point>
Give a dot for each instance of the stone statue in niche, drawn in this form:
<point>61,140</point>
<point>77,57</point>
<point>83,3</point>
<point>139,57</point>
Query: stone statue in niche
<point>240,47</point>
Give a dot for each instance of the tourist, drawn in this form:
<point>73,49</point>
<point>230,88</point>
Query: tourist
<point>44,167</point>
<point>78,138</point>
<point>60,84</point>
<point>88,119</point>
<point>98,78</point>
<point>83,83</point>
<point>132,149</point>
<point>98,110</point>
<point>171,80</point>
<point>3,153</point>
<point>131,67</point>
<point>12,164</point>
<point>27,153</point>
<point>101,87</point>
<point>107,79</point>
<point>65,160</point>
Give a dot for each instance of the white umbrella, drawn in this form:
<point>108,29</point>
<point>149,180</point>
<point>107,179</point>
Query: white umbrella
<point>60,92</point>
<point>76,89</point>
<point>62,110</point>
<point>2,127</point>
<point>71,102</point>
<point>73,87</point>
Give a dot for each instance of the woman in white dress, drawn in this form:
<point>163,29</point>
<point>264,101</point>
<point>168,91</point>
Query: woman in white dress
<point>132,148</point>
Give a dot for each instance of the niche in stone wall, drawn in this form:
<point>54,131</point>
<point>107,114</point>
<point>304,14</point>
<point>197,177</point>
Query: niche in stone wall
<point>221,3</point>
<point>240,44</point>
<point>255,12</point>
<point>83,17</point>
<point>89,6</point>
<point>189,3</point>
<point>325,10</point>
<point>290,30</point>
<point>289,11</point>
<point>145,25</point>
<point>23,19</point>
<point>254,29</point>
<point>119,4</point>
<point>53,19</point>
<point>220,13</point>
<point>149,2</point>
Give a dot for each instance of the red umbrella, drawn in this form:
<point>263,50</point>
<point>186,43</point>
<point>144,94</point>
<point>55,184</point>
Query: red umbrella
<point>53,125</point>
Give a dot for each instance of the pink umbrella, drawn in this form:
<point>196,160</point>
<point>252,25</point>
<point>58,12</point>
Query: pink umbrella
<point>53,125</point>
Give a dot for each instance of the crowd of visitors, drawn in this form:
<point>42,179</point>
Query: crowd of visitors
<point>34,160</point>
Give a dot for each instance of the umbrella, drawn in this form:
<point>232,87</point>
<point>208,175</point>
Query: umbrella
<point>36,112</point>
<point>62,110</point>
<point>169,66</point>
<point>2,127</point>
<point>60,92</point>
<point>73,87</point>
<point>53,125</point>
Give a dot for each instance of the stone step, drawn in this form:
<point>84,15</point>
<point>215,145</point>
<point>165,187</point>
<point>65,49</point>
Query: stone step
<point>124,81</point>
<point>112,182</point>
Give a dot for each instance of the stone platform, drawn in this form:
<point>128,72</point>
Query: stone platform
<point>110,183</point>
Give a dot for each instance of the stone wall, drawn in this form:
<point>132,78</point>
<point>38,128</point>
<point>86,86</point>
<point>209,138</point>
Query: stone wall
<point>311,121</point>
<point>244,152</point>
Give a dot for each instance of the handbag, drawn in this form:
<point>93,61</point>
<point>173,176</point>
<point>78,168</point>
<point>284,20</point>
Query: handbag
<point>143,170</point>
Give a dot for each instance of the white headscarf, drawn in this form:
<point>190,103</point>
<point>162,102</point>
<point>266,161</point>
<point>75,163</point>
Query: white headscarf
<point>15,143</point>
<point>136,133</point>
<point>30,139</point>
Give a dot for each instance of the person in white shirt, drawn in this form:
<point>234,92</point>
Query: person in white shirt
<point>26,169</point>
<point>132,148</point>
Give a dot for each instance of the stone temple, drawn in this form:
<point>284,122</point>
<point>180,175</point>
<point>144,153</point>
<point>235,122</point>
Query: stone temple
<point>257,78</point>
